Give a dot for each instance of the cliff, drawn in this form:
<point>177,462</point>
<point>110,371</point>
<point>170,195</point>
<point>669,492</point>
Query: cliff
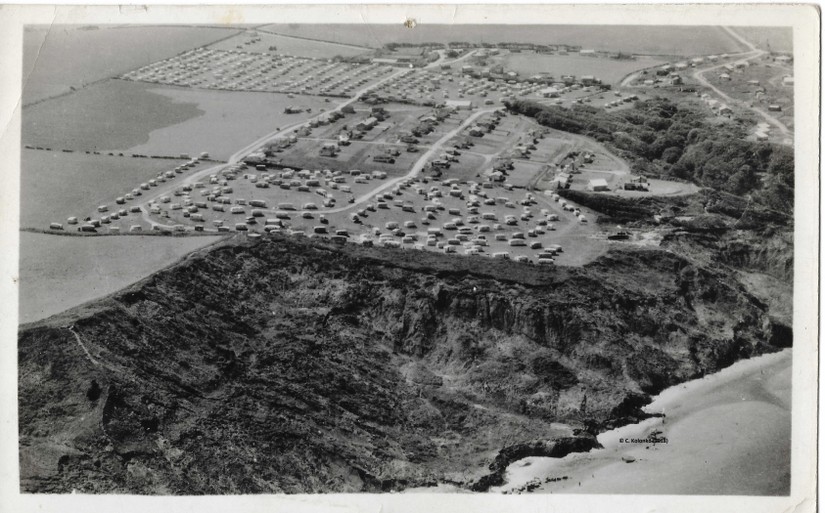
<point>295,365</point>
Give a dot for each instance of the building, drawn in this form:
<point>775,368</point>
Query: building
<point>787,80</point>
<point>460,104</point>
<point>367,124</point>
<point>597,184</point>
<point>549,92</point>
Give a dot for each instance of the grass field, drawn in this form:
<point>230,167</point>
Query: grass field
<point>609,71</point>
<point>288,46</point>
<point>158,120</point>
<point>662,40</point>
<point>63,56</point>
<point>780,39</point>
<point>56,185</point>
<point>58,273</point>
<point>114,114</point>
<point>229,120</point>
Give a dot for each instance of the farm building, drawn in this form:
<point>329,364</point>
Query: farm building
<point>787,80</point>
<point>597,184</point>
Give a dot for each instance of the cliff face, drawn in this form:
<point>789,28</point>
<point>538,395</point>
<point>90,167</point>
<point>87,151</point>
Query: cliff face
<point>298,366</point>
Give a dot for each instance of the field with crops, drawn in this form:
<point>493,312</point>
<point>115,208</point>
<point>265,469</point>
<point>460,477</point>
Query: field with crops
<point>57,59</point>
<point>55,185</point>
<point>58,273</point>
<point>663,40</point>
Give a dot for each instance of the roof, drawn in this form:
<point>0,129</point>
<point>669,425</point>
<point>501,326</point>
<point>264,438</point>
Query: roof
<point>598,182</point>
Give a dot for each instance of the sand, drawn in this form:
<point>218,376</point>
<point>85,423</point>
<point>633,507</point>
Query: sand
<point>728,433</point>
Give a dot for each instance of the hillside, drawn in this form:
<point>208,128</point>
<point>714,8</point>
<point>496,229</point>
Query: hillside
<point>294,365</point>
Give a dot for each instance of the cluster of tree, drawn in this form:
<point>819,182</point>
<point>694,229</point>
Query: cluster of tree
<point>663,139</point>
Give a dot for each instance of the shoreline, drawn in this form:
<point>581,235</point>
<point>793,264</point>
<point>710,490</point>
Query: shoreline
<point>727,433</point>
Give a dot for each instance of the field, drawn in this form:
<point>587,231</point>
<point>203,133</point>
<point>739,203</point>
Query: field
<point>55,185</point>
<point>230,120</point>
<point>287,46</point>
<point>659,40</point>
<point>55,60</point>
<point>158,120</point>
<point>609,71</point>
<point>109,115</point>
<point>780,39</point>
<point>58,273</point>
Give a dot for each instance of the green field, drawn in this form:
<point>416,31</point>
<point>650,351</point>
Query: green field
<point>55,185</point>
<point>288,46</point>
<point>609,71</point>
<point>58,273</point>
<point>663,40</point>
<point>64,56</point>
<point>136,117</point>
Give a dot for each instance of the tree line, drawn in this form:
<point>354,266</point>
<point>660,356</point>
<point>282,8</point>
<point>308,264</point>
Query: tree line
<point>661,138</point>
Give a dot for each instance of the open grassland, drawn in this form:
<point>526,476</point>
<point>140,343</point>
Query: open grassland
<point>662,40</point>
<point>110,115</point>
<point>609,71</point>
<point>158,120</point>
<point>60,57</point>
<point>779,39</point>
<point>229,120</point>
<point>55,185</point>
<point>58,273</point>
<point>287,46</point>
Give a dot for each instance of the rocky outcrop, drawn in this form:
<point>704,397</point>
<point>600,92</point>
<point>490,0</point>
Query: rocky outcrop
<point>289,365</point>
<point>555,448</point>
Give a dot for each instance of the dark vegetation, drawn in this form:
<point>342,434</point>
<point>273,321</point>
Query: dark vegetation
<point>295,365</point>
<point>666,140</point>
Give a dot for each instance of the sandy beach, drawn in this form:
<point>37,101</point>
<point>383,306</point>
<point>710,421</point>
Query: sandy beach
<point>727,434</point>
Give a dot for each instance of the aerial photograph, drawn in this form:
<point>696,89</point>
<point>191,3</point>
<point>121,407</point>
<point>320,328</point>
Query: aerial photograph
<point>301,258</point>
